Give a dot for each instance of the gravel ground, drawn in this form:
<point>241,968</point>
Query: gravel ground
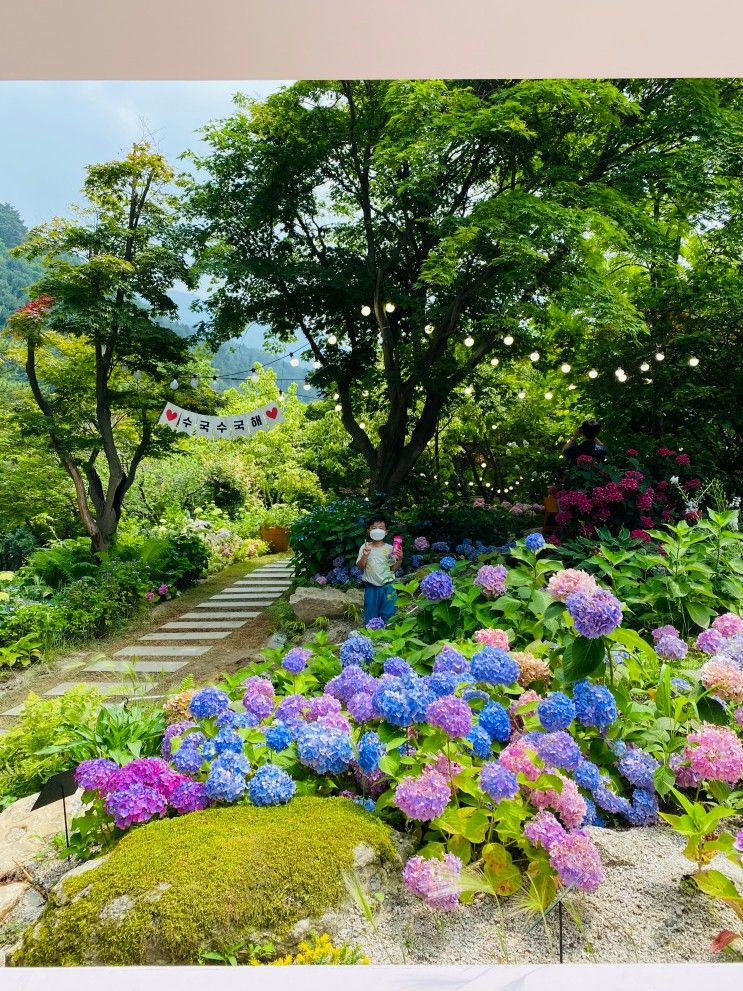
<point>644,912</point>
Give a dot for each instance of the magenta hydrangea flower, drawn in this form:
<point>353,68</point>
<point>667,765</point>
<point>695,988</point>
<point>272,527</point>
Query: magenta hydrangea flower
<point>492,638</point>
<point>738,716</point>
<point>685,777</point>
<point>577,861</point>
<point>728,624</point>
<point>150,596</point>
<point>596,615</point>
<point>134,804</point>
<point>95,774</point>
<point>434,880</point>
<point>544,830</point>
<point>710,641</point>
<point>162,590</point>
<point>738,842</point>
<point>450,714</point>
<point>491,579</point>
<point>565,583</point>
<point>151,772</point>
<point>423,798</point>
<point>715,753</point>
<point>446,768</point>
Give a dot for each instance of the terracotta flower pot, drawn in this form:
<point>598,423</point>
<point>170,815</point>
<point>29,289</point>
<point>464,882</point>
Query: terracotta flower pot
<point>276,536</point>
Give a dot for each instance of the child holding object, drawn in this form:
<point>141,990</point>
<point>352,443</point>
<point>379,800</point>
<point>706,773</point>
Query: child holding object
<point>378,562</point>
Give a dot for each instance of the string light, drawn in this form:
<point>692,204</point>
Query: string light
<point>294,362</point>
<point>494,362</point>
<point>522,394</point>
<point>336,396</point>
<point>469,341</point>
<point>593,374</point>
<point>363,426</point>
<point>194,383</point>
<point>281,395</point>
<point>548,395</point>
<point>648,381</point>
<point>488,485</point>
<point>255,377</point>
<point>508,340</point>
<point>644,367</point>
<point>174,384</point>
<point>659,356</point>
<point>534,356</point>
<point>389,307</point>
<point>693,362</point>
<point>332,339</point>
<point>137,375</point>
<point>483,465</point>
<point>565,367</point>
<point>215,384</point>
<point>365,310</point>
<point>619,373</point>
<point>338,408</point>
<point>572,386</point>
<point>317,364</point>
<point>306,387</point>
<point>428,329</point>
<point>365,392</point>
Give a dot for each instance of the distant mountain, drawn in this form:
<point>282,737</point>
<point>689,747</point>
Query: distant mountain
<point>16,274</point>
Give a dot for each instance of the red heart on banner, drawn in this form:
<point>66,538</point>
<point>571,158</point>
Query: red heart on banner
<point>171,414</point>
<point>272,413</point>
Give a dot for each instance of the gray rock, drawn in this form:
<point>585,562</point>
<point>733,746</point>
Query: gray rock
<point>309,603</point>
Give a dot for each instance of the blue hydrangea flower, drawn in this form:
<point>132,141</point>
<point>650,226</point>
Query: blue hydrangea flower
<point>637,767</point>
<point>494,720</point>
<point>644,808</point>
<point>440,547</point>
<point>493,666</point>
<point>279,736</point>
<point>371,749</point>
<point>208,702</point>
<point>498,782</point>
<point>587,775</point>
<point>442,683</point>
<point>416,561</point>
<point>208,750</point>
<point>480,741</point>
<point>447,562</point>
<point>187,757</point>
<point>227,718</point>
<point>592,816</point>
<point>594,705</point>
<point>233,762</point>
<point>356,650</point>
<point>449,659</point>
<point>228,739</point>
<point>555,711</point>
<point>557,749</point>
<point>356,573</point>
<point>295,660</point>
<point>223,785</point>
<point>270,785</point>
<point>376,623</point>
<point>246,720</point>
<point>594,615</point>
<point>535,542</point>
<point>402,701</point>
<point>609,801</point>
<point>437,586</point>
<point>397,667</point>
<point>366,803</point>
<point>680,686</point>
<point>326,749</point>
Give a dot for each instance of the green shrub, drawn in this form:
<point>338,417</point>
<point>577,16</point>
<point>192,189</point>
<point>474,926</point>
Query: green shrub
<point>61,563</point>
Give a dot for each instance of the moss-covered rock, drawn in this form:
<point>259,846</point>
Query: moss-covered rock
<point>205,880</point>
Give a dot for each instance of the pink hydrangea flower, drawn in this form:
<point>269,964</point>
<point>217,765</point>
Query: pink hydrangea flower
<point>710,641</point>
<point>577,861</point>
<point>728,624</point>
<point>564,583</point>
<point>423,798</point>
<point>162,590</point>
<point>569,804</point>
<point>544,830</point>
<point>434,880</point>
<point>149,596</point>
<point>492,638</point>
<point>724,677</point>
<point>518,758</point>
<point>715,753</point>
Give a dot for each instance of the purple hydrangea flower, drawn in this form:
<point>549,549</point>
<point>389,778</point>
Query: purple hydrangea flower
<point>609,801</point>
<point>376,623</point>
<point>356,650</point>
<point>671,648</point>
<point>451,715</point>
<point>498,782</point>
<point>665,631</point>
<point>449,659</point>
<point>149,771</point>
<point>295,660</point>
<point>175,729</point>
<point>491,579</point>
<point>557,749</point>
<point>710,641</point>
<point>577,861</point>
<point>361,707</point>
<point>396,666</point>
<point>544,830</point>
<point>189,758</point>
<point>637,767</point>
<point>440,547</point>
<point>423,798</point>
<point>594,615</point>
<point>437,586</point>
<point>351,680</point>
<point>95,774</point>
<point>134,804</point>
<point>434,880</point>
<point>270,785</point>
<point>189,796</point>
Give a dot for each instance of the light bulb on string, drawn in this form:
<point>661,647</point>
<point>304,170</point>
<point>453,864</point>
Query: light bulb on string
<point>365,393</point>
<point>389,307</point>
<point>565,367</point>
<point>619,373</point>
<point>363,426</point>
<point>215,384</point>
<point>644,367</point>
<point>648,381</point>
<point>693,362</point>
<point>508,340</point>
<point>194,383</point>
<point>338,407</point>
<point>488,485</point>
<point>428,329</point>
<point>365,311</point>
<point>483,465</point>
<point>548,395</point>
<point>317,364</point>
<point>294,362</point>
<point>572,386</point>
<point>137,374</point>
<point>332,339</point>
<point>472,485</point>
<point>306,386</point>
<point>534,356</point>
<point>494,362</point>
<point>254,377</point>
<point>593,374</point>
<point>336,396</point>
<point>522,394</point>
<point>281,395</point>
<point>659,356</point>
<point>174,384</point>
<point>469,341</point>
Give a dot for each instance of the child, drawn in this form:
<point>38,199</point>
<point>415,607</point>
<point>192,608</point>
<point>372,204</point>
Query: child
<point>378,562</point>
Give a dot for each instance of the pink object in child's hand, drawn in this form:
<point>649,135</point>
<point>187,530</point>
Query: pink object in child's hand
<point>397,545</point>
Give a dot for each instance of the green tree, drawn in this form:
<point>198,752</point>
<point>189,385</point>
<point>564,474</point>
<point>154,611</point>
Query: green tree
<point>97,357</point>
<point>411,230</point>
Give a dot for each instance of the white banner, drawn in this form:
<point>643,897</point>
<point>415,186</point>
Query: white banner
<point>216,427</point>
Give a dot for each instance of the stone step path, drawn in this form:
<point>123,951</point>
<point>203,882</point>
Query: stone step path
<point>172,646</point>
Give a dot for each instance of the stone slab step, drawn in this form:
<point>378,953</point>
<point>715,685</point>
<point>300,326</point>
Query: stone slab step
<point>139,667</point>
<point>236,604</point>
<point>235,614</point>
<point>246,598</point>
<point>184,636</point>
<point>15,711</point>
<point>150,650</point>
<point>268,585</point>
<point>104,687</point>
<point>261,593</point>
<point>206,624</point>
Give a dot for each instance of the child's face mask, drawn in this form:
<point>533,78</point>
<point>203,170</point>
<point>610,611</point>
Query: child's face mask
<point>377,533</point>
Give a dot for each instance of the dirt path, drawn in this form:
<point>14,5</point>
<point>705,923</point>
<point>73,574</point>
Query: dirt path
<point>194,611</point>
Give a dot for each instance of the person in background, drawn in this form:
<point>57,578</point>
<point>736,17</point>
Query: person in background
<point>590,445</point>
<point>378,561</point>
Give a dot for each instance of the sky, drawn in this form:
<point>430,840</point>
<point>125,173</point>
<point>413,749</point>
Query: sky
<point>49,131</point>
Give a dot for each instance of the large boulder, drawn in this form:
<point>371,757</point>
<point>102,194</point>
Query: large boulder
<point>24,833</point>
<point>310,603</point>
<point>175,887</point>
